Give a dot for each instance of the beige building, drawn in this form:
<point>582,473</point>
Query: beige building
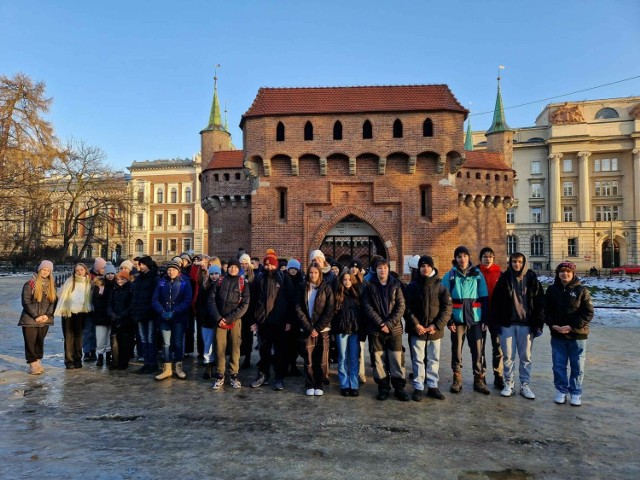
<point>577,188</point>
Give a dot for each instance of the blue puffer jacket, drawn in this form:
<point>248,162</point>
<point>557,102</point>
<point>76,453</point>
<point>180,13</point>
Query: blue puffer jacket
<point>469,295</point>
<point>172,296</point>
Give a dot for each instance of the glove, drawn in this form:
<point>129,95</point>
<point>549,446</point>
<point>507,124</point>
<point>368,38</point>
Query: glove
<point>167,315</point>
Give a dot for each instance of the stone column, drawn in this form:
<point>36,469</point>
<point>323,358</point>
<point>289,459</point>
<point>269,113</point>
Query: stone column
<point>636,183</point>
<point>585,190</point>
<point>555,206</point>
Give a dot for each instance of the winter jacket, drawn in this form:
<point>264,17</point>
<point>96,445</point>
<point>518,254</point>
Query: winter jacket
<point>172,299</point>
<point>378,314</point>
<point>323,309</point>
<point>100,303</point>
<point>202,304</point>
<point>31,309</point>
<point>274,294</point>
<point>502,305</point>
<point>348,318</point>
<point>143,290</point>
<point>119,306</point>
<point>469,295</point>
<point>225,300</point>
<point>569,305</point>
<point>428,303</point>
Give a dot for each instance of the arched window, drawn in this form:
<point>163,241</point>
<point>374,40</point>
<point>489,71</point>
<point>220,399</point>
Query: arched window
<point>604,113</point>
<point>397,129</point>
<point>280,132</point>
<point>512,244</point>
<point>337,130</point>
<point>139,246</point>
<point>226,177</point>
<point>537,245</point>
<point>497,177</point>
<point>174,195</point>
<point>159,195</point>
<point>308,131</point>
<point>367,129</point>
<point>216,177</point>
<point>487,177</point>
<point>187,195</point>
<point>427,128</point>
<point>238,177</point>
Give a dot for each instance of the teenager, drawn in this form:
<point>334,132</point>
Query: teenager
<point>119,312</point>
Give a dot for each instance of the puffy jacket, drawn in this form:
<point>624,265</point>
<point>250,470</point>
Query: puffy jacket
<point>119,306</point>
<point>100,303</point>
<point>225,300</point>
<point>502,302</point>
<point>348,318</point>
<point>569,305</point>
<point>378,314</point>
<point>428,303</point>
<point>469,295</point>
<point>32,309</point>
<point>143,289</point>
<point>274,294</point>
<point>172,296</point>
<point>323,309</point>
<point>202,304</point>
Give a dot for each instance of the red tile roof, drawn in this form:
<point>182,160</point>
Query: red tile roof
<point>320,100</point>
<point>484,160</point>
<point>226,159</point>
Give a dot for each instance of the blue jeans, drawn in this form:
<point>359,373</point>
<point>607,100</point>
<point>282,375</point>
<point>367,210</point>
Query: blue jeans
<point>147,336</point>
<point>516,337</point>
<point>89,335</point>
<point>421,349</point>
<point>209,340</point>
<point>348,346</point>
<point>568,352</point>
<point>173,340</point>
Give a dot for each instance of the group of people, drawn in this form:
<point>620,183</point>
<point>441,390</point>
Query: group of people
<point>327,311</point>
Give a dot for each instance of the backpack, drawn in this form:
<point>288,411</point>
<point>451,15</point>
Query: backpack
<point>241,282</point>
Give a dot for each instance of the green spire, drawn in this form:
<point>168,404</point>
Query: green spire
<point>499,123</point>
<point>468,141</point>
<point>226,120</point>
<point>215,119</point>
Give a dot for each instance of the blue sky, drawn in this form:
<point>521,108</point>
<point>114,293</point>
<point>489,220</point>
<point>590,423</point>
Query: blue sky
<point>135,78</point>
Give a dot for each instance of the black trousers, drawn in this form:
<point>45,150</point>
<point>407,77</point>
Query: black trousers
<point>72,328</point>
<point>496,353</point>
<point>34,342</point>
<point>273,352</point>
<point>473,334</point>
<point>121,341</point>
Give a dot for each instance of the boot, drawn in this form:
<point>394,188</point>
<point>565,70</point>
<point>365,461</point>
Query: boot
<point>479,385</point>
<point>100,361</point>
<point>40,367</point>
<point>166,372</point>
<point>498,382</point>
<point>92,356</point>
<point>456,386</point>
<point>179,372</point>
<point>33,368</point>
<point>208,371</point>
<point>109,359</point>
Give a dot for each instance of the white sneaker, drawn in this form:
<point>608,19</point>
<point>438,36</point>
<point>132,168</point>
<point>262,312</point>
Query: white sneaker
<point>526,392</point>
<point>310,392</point>
<point>218,384</point>
<point>560,398</point>
<point>576,400</point>
<point>507,391</point>
<point>235,382</point>
<point>318,393</point>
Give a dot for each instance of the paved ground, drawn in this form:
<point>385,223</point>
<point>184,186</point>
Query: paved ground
<point>94,423</point>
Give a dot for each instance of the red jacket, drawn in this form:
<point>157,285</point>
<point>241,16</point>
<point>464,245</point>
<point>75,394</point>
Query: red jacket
<point>491,275</point>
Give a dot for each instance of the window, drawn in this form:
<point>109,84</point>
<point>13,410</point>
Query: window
<point>367,129</point>
<point>427,128</point>
<point>605,165</point>
<point>226,177</point>
<point>282,195</point>
<point>536,266</point>
<point>567,165</point>
<point>604,113</point>
<point>308,131</point>
<point>173,219</point>
<point>159,245</point>
<point>280,132</point>
<point>187,195</point>
<point>537,245</point>
<point>511,215</point>
<point>238,176</point>
<point>337,130</point>
<point>536,215</point>
<point>606,188</point>
<point>158,219</point>
<point>512,244</point>
<point>567,214</point>
<point>187,220</point>
<point>174,195</point>
<point>397,129</point>
<point>159,195</point>
<point>536,190</point>
<point>606,213</point>
<point>572,247</point>
<point>140,219</point>
<point>535,167</point>
<point>139,246</point>
<point>186,244</point>
<point>567,189</point>
<point>478,175</point>
<point>173,245</point>
<point>425,201</point>
<point>216,177</point>
<point>141,195</point>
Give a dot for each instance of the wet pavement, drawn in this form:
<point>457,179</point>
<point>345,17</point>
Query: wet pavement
<point>95,423</point>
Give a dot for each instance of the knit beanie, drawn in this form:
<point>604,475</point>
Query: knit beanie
<point>123,274</point>
<point>426,260</point>
<point>357,264</point>
<point>146,260</point>
<point>110,269</point>
<point>293,263</point>
<point>270,259</point>
<point>185,255</point>
<point>46,264</point>
<point>567,265</point>
<point>127,264</point>
<point>316,254</point>
<point>99,263</point>
<point>244,258</point>
<point>235,262</point>
<point>215,269</point>
<point>459,250</point>
<point>174,264</point>
<point>485,250</point>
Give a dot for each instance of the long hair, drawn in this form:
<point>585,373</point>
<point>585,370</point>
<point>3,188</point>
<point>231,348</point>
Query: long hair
<point>317,267</point>
<point>38,289</point>
<point>73,277</point>
<point>341,290</point>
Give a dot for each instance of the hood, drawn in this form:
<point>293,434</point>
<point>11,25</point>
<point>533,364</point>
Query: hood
<point>525,265</point>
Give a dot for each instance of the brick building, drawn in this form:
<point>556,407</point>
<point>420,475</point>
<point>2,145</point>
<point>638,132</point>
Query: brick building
<point>357,171</point>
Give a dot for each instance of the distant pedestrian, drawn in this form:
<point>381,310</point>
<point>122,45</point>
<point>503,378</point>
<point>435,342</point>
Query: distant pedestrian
<point>38,304</point>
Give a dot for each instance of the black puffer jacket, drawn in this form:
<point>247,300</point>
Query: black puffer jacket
<point>202,304</point>
<point>143,289</point>
<point>428,303</point>
<point>274,293</point>
<point>323,309</point>
<point>225,300</point>
<point>378,314</point>
<point>119,306</point>
<point>502,301</point>
<point>31,309</point>
<point>100,303</point>
<point>348,318</point>
<point>569,305</point>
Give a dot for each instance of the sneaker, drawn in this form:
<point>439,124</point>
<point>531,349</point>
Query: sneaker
<point>401,395</point>
<point>435,393</point>
<point>260,380</point>
<point>507,391</point>
<point>235,382</point>
<point>310,392</point>
<point>560,398</point>
<point>382,395</point>
<point>278,385</point>
<point>345,392</point>
<point>576,400</point>
<point>417,396</point>
<point>526,392</point>
<point>218,384</point>
<point>354,392</point>
<point>318,392</point>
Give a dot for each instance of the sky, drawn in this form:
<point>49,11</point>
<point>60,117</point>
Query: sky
<point>135,78</point>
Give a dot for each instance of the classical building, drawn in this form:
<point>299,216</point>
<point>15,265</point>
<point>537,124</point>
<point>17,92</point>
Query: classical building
<point>357,171</point>
<point>577,191</point>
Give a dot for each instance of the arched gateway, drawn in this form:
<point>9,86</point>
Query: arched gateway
<point>353,239</point>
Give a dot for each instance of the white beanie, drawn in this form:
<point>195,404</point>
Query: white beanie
<point>245,258</point>
<point>316,254</point>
